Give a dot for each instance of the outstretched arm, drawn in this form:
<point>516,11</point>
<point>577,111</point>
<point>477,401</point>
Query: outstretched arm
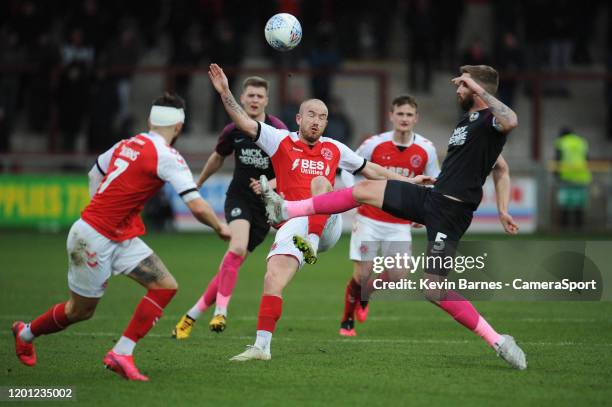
<point>214,162</point>
<point>202,211</point>
<point>501,179</point>
<point>375,171</point>
<point>505,118</point>
<point>232,107</point>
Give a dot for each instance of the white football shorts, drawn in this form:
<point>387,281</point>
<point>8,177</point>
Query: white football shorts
<point>371,238</point>
<point>283,242</point>
<point>93,259</point>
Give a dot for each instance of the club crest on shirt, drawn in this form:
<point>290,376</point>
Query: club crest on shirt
<point>474,116</point>
<point>236,212</point>
<point>416,160</point>
<point>327,153</point>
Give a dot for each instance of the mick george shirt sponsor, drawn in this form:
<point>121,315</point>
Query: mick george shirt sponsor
<point>254,157</point>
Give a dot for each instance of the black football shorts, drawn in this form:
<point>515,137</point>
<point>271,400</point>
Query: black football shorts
<point>446,219</point>
<point>251,210</point>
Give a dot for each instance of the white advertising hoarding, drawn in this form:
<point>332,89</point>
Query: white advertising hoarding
<point>523,205</point>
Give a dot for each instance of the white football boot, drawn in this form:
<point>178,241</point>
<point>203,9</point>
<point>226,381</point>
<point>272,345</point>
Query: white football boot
<point>274,203</point>
<point>511,353</point>
<point>252,352</point>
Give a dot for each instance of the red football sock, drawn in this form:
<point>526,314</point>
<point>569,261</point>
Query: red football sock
<point>54,320</point>
<point>148,311</point>
<point>316,224</point>
<point>352,294</point>
<point>270,310</point>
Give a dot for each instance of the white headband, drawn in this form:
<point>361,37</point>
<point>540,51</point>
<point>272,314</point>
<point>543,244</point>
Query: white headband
<point>166,116</point>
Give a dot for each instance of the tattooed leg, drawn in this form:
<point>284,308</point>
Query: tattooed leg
<point>161,287</point>
<point>151,273</point>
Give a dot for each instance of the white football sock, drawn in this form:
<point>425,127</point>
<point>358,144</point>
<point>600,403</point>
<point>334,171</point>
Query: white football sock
<point>220,311</point>
<point>124,346</point>
<point>194,313</point>
<point>263,340</point>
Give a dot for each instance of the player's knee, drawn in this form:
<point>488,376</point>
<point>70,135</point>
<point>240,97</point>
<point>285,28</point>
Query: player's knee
<point>168,283</point>
<point>361,191</point>
<point>361,271</point>
<point>238,249</point>
<point>434,295</point>
<point>397,275</point>
<point>320,185</point>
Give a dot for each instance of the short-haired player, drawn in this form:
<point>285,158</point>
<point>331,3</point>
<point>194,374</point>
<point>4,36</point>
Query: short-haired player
<point>375,232</point>
<point>105,240</point>
<point>446,210</point>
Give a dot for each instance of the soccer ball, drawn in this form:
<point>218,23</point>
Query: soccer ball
<point>283,32</point>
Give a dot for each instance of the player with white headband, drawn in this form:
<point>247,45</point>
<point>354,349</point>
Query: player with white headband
<point>162,116</point>
<point>105,240</point>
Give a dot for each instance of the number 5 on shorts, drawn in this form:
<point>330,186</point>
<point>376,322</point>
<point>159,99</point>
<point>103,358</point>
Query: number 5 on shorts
<point>439,242</point>
<point>120,167</point>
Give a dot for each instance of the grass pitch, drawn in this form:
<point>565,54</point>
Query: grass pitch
<point>407,353</point>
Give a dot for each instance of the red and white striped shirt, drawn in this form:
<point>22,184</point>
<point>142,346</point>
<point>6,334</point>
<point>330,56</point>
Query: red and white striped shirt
<point>416,158</point>
<point>134,170</point>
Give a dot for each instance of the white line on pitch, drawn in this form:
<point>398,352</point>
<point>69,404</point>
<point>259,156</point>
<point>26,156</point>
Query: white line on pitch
<point>440,318</point>
<point>343,340</point>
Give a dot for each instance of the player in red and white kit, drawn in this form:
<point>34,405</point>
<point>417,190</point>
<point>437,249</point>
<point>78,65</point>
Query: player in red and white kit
<point>105,242</point>
<point>305,165</point>
<point>375,232</point>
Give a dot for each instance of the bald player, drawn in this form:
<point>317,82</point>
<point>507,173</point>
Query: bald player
<point>305,165</point>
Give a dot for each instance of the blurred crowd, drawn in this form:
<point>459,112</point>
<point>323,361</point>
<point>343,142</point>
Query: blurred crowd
<point>61,51</point>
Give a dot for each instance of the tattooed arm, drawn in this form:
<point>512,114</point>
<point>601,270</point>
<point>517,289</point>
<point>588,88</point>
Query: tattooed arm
<point>505,118</point>
<point>233,108</point>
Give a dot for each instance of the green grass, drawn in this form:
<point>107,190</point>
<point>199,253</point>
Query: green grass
<point>408,353</point>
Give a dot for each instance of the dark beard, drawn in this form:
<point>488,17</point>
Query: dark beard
<point>467,103</point>
<point>310,139</point>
